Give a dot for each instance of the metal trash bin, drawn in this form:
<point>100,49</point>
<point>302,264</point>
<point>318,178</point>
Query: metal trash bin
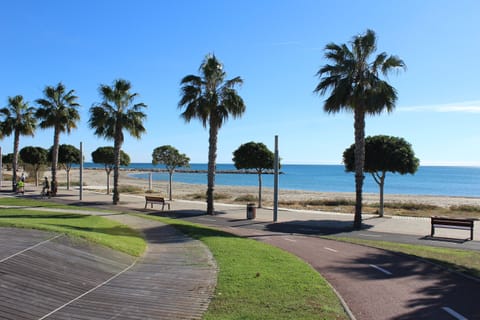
<point>251,211</point>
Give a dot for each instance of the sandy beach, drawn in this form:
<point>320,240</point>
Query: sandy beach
<point>97,179</point>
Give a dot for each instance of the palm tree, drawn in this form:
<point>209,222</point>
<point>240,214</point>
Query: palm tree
<point>58,110</point>
<point>355,85</point>
<point>18,118</point>
<point>115,113</point>
<point>211,99</point>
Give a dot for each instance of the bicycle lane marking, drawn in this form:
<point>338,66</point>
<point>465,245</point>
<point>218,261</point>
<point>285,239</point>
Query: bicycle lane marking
<point>30,248</point>
<point>453,313</point>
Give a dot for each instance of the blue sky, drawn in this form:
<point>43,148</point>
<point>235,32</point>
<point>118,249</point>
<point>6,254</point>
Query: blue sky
<point>275,46</point>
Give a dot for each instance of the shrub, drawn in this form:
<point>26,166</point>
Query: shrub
<point>412,206</point>
<point>130,189</point>
<point>329,202</point>
<point>467,208</point>
<point>247,198</point>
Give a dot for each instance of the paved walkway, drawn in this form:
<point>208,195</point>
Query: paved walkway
<point>394,228</point>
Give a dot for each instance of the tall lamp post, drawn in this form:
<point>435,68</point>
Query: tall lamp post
<point>275,182</point>
<point>81,170</point>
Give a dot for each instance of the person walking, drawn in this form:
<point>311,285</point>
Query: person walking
<point>21,187</point>
<point>46,188</point>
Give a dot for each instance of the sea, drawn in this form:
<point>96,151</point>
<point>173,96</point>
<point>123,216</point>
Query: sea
<point>428,180</point>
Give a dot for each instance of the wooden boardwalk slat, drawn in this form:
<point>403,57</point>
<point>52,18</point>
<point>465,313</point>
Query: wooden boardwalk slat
<point>40,280</point>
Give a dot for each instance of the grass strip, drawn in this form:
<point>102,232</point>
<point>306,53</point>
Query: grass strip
<point>464,261</point>
<point>93,228</point>
<point>32,203</point>
<point>259,281</point>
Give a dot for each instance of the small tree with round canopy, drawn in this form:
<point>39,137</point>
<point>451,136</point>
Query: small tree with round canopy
<point>106,156</point>
<point>7,160</point>
<point>254,155</point>
<point>67,156</point>
<point>383,154</point>
<point>172,159</point>
<point>36,157</point>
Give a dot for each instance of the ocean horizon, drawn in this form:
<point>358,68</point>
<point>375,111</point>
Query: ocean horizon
<point>461,181</point>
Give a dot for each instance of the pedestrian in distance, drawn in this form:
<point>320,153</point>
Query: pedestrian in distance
<point>46,188</point>
<point>21,187</point>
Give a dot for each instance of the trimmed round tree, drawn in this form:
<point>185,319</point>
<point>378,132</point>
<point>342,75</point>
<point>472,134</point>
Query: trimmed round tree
<point>383,154</point>
<point>172,159</point>
<point>254,155</point>
<point>106,156</point>
<point>67,156</point>
<point>36,157</point>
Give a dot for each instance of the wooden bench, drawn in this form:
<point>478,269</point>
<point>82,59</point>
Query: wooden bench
<point>452,223</point>
<point>159,200</point>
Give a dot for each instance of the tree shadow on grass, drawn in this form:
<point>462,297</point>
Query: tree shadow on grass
<point>41,216</point>
<point>119,230</point>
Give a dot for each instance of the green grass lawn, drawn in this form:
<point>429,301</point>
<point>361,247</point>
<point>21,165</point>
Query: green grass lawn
<point>93,228</point>
<point>259,281</point>
<point>465,261</point>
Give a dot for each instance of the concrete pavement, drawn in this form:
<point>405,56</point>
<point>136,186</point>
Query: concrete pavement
<point>401,229</point>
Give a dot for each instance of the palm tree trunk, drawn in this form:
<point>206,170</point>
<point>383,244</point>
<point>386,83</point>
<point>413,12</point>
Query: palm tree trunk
<point>116,169</point>
<point>260,189</point>
<point>108,182</point>
<point>56,143</point>
<point>359,115</point>
<point>16,143</point>
<point>212,157</point>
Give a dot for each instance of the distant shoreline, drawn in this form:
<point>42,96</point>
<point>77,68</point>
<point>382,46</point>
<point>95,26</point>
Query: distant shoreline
<point>239,171</point>
<point>182,190</point>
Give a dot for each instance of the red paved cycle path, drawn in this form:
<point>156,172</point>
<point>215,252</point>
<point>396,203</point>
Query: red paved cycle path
<point>377,284</point>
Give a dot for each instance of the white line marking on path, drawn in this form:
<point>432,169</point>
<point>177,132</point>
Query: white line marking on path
<point>30,248</point>
<point>207,219</point>
<point>292,240</point>
<point>454,314</point>
<point>330,249</point>
<point>369,235</point>
<point>91,290</point>
<point>381,269</point>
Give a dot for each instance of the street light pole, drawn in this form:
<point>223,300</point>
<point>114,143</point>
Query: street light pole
<point>275,182</point>
<point>81,170</point>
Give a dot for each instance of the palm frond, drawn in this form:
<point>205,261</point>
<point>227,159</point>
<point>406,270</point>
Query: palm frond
<point>391,63</point>
<point>192,80</point>
<point>117,112</point>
